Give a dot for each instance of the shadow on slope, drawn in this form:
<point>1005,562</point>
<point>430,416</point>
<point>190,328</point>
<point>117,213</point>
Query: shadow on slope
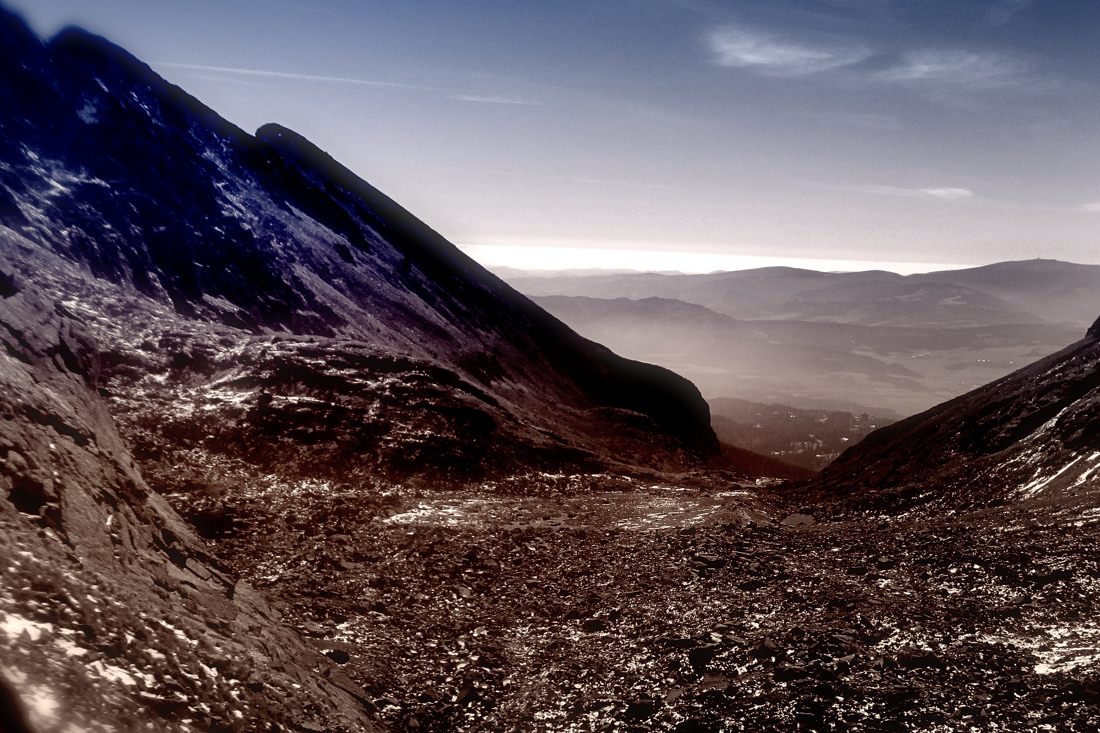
<point>113,170</point>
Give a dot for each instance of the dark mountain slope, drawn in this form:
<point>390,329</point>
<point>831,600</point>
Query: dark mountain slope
<point>1034,434</point>
<point>119,186</point>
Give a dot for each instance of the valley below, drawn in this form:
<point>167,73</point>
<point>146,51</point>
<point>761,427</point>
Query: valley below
<point>859,342</point>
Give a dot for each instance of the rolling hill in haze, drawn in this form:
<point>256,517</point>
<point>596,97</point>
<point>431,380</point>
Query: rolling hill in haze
<point>1025,292</point>
<point>821,364</point>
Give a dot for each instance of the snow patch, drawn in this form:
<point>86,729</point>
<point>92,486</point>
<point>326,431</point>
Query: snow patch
<point>1088,472</point>
<point>87,114</point>
<point>14,626</point>
<point>1033,489</point>
<point>112,673</point>
<point>1059,648</point>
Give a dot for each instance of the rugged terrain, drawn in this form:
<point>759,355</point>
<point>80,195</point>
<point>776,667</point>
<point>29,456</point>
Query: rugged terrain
<point>114,614</point>
<point>277,457</point>
<point>688,603</point>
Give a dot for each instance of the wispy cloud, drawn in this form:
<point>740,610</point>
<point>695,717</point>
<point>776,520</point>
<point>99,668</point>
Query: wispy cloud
<point>950,194</point>
<point>772,55</point>
<point>945,193</point>
<point>1090,208</point>
<point>940,72</point>
<point>496,100</point>
<point>961,69</point>
<point>293,76</point>
<point>1005,10</point>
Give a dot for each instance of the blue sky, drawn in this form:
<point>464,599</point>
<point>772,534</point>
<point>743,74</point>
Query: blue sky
<point>586,132</point>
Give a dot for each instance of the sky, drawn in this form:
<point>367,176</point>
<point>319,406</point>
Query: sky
<point>670,134</point>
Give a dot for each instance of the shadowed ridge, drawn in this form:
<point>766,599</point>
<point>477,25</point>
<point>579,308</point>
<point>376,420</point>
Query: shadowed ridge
<point>317,183</point>
<point>269,234</point>
<point>75,46</point>
<point>17,40</point>
<point>313,179</point>
<point>674,402</point>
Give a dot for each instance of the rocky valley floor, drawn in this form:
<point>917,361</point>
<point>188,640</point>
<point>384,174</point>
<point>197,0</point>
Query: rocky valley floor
<point>687,603</point>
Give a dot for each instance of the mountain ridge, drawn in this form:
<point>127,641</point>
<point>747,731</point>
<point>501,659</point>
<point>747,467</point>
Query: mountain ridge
<point>1027,291</point>
<point>301,273</point>
<point>236,330</point>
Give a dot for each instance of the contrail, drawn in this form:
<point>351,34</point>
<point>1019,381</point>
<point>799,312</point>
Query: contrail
<point>297,77</point>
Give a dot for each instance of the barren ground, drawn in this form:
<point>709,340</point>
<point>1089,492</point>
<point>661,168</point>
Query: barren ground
<point>595,602</point>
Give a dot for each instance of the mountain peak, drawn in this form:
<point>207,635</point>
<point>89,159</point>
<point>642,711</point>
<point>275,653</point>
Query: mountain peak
<point>1094,330</point>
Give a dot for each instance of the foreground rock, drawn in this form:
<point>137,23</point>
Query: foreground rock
<point>595,603</point>
<point>113,613</point>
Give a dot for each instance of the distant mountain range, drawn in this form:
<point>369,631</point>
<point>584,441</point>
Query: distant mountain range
<point>1024,292</point>
<point>870,341</point>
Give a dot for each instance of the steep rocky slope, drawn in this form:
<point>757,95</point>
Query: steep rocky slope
<point>114,614</point>
<point>1033,435</point>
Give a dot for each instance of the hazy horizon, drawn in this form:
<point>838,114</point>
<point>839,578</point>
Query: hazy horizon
<point>916,136</point>
<point>551,259</point>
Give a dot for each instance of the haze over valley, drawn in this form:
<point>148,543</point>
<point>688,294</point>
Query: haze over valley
<point>863,341</point>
